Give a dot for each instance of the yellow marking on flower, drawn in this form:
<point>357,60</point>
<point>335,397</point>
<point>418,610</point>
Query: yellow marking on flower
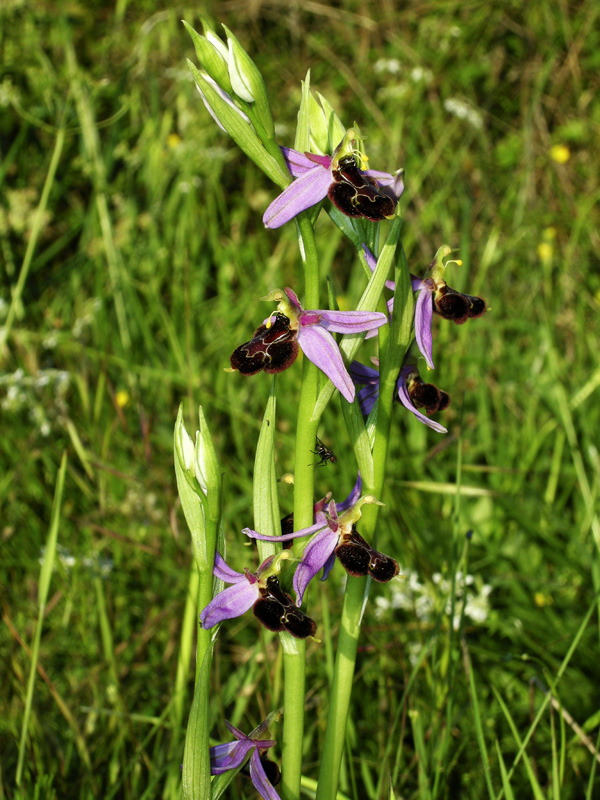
<point>173,140</point>
<point>122,398</point>
<point>560,153</point>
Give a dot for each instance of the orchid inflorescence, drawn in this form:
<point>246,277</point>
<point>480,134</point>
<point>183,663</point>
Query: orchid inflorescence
<point>329,169</point>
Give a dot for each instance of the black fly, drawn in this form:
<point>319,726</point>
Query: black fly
<point>324,453</point>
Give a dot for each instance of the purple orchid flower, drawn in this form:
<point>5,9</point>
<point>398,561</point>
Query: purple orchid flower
<point>411,389</point>
<point>316,174</point>
<point>235,600</point>
<point>232,755</point>
<point>287,523</point>
<point>260,591</point>
<point>312,330</point>
<point>434,296</point>
<point>334,534</point>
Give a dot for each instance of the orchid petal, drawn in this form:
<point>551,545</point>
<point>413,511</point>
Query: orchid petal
<point>231,602</point>
<point>287,536</point>
<point>259,778</point>
<point>352,497</point>
<point>404,398</point>
<point>232,755</point>
<point>315,555</point>
<point>293,298</point>
<point>363,374</point>
<point>298,163</point>
<point>328,566</point>
<point>392,185</point>
<point>423,320</point>
<point>321,348</point>
<point>306,191</point>
<point>236,731</point>
<point>223,571</point>
<point>349,321</point>
<point>367,398</point>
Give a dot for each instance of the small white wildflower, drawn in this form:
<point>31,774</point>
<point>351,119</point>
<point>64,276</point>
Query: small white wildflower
<point>391,65</point>
<point>50,341</point>
<point>424,606</point>
<point>477,608</point>
<point>462,110</point>
<point>421,75</point>
<point>414,651</point>
<point>394,92</point>
<point>382,604</point>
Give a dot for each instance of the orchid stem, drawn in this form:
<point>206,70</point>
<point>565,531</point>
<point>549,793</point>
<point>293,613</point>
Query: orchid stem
<point>341,689</point>
<point>393,346</point>
<point>306,430</point>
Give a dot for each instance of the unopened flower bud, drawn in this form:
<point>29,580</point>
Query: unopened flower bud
<point>247,82</point>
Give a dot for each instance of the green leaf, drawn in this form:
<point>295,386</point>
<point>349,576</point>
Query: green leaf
<point>195,776</point>
<point>302,140</point>
<point>248,82</point>
<point>266,504</point>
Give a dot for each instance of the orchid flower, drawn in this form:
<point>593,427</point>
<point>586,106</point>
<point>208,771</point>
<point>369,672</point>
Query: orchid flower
<point>434,295</point>
<point>334,534</point>
<point>287,523</point>
<point>261,592</point>
<point>274,347</point>
<point>317,175</point>
<point>232,755</point>
<point>412,392</point>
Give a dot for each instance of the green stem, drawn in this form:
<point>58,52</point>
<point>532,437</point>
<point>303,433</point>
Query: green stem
<point>306,431</point>
<point>341,689</point>
<point>393,346</point>
<point>196,760</point>
<point>294,652</point>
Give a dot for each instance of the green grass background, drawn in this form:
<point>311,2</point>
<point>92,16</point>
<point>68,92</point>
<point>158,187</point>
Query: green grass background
<point>132,257</point>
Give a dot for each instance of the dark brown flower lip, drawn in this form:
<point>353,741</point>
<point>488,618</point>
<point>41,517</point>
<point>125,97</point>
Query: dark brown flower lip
<point>360,559</point>
<point>357,195</point>
<point>272,349</point>
<point>276,610</point>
